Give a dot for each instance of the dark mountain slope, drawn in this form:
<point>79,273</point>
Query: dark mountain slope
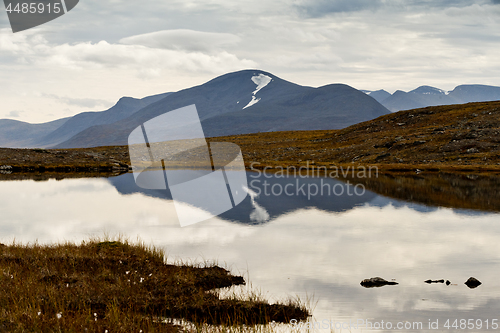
<point>125,107</point>
<point>329,107</point>
<point>224,107</point>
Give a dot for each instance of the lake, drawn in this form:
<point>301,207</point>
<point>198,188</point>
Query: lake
<point>318,248</point>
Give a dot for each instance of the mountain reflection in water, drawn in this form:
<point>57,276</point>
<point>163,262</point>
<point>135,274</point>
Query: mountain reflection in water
<point>318,248</point>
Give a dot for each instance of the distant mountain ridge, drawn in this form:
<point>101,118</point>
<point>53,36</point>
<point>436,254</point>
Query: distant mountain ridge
<point>247,101</point>
<point>17,134</point>
<point>425,96</point>
<point>378,95</point>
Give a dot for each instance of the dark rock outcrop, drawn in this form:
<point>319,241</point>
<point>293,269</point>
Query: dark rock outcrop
<point>376,282</point>
<point>472,283</point>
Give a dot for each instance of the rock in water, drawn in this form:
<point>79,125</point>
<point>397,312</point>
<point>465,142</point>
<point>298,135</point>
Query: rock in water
<point>376,282</point>
<point>473,283</point>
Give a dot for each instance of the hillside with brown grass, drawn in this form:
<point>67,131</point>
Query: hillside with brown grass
<point>451,137</point>
<point>443,137</point>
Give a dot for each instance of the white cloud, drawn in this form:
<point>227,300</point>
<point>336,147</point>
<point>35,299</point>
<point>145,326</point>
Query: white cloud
<point>104,55</point>
<point>151,58</point>
<point>183,39</point>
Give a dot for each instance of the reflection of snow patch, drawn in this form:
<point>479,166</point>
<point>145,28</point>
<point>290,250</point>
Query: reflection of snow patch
<point>259,213</point>
<point>251,194</point>
<point>252,102</point>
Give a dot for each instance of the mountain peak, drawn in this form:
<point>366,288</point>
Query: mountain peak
<point>428,90</point>
<point>378,95</point>
<point>247,101</point>
<point>476,93</point>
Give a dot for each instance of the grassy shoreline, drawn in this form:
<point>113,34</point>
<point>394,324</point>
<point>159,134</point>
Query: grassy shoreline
<point>120,287</point>
<point>33,164</point>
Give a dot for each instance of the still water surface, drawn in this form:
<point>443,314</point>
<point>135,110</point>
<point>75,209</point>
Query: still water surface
<point>318,248</point>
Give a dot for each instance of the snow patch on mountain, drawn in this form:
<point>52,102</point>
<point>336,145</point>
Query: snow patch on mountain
<point>427,90</point>
<point>261,81</point>
<point>254,100</point>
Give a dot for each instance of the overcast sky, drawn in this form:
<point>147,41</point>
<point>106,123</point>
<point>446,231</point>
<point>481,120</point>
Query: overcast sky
<point>103,50</point>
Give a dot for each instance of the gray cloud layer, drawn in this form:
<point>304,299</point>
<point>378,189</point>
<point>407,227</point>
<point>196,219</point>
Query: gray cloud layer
<point>104,50</point>
<point>319,8</point>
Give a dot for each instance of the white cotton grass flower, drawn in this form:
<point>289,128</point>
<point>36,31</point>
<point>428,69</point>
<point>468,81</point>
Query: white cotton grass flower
<point>59,315</point>
<point>142,279</point>
<point>127,272</point>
